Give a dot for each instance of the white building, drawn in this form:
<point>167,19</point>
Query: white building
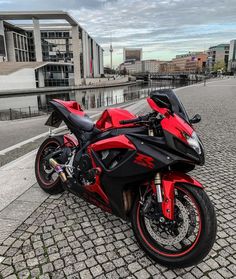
<point>131,67</point>
<point>66,47</point>
<point>151,66</point>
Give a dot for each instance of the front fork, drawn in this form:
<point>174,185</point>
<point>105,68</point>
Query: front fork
<point>163,186</point>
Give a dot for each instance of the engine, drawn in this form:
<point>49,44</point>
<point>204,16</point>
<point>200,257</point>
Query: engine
<point>84,172</point>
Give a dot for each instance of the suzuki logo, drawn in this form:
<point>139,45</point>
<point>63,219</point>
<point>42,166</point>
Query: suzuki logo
<point>144,161</point>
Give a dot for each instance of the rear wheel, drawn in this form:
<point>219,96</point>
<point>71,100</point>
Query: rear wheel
<point>187,239</point>
<point>46,177</point>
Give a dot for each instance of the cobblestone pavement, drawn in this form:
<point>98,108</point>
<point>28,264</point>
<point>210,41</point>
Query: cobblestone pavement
<point>68,238</point>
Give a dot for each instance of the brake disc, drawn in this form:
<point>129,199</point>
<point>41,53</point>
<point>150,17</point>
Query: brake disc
<point>170,239</point>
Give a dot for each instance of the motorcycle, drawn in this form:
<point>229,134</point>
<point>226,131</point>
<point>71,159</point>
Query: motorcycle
<point>135,168</point>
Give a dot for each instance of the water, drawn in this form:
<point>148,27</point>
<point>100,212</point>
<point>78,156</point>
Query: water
<point>32,105</point>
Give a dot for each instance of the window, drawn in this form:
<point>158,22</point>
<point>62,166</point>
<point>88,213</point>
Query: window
<point>2,46</point>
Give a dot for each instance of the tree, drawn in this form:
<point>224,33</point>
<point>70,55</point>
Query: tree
<point>219,66</point>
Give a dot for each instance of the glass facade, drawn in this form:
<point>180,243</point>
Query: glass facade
<point>57,46</point>
<point>21,47</point>
<point>31,46</point>
<point>2,46</point>
<point>58,75</point>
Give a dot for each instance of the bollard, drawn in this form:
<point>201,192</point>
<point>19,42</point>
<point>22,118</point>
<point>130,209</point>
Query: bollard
<point>10,113</point>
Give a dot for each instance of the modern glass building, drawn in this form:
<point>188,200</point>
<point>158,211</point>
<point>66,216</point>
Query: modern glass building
<point>72,53</point>
<point>218,54</point>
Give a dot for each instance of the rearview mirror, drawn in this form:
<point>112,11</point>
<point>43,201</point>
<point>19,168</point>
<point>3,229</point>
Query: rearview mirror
<point>197,118</point>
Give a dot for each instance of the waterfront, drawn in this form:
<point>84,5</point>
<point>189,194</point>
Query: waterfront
<point>15,107</point>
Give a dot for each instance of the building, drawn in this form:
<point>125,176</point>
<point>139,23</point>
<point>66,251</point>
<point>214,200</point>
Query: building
<point>232,57</point>
<point>151,66</point>
<point>133,54</point>
<point>67,49</point>
<point>192,62</point>
<point>131,66</point>
<point>218,57</point>
<point>167,67</point>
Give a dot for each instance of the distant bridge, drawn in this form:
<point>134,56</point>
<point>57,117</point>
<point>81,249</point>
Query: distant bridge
<point>170,76</point>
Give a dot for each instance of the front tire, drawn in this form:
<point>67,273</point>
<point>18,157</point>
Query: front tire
<point>48,180</point>
<point>182,246</point>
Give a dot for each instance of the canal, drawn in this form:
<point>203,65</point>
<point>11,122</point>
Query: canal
<point>15,107</point>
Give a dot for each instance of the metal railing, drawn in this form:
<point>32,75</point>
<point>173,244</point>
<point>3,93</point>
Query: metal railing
<point>24,112</point>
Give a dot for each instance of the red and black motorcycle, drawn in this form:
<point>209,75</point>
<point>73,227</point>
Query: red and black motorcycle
<point>135,167</point>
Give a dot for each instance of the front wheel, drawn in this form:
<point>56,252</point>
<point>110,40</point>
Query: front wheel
<point>187,239</point>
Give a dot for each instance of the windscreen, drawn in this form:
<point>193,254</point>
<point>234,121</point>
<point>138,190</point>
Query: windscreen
<point>162,96</point>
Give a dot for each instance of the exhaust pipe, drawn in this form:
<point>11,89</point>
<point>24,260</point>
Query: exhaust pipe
<point>57,167</point>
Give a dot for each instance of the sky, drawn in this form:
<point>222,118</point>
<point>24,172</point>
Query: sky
<point>163,28</point>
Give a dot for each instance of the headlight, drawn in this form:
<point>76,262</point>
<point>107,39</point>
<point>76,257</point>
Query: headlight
<point>194,142</point>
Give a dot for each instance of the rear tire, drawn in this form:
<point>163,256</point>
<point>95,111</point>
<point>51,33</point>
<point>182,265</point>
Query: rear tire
<point>50,186</point>
<point>165,254</point>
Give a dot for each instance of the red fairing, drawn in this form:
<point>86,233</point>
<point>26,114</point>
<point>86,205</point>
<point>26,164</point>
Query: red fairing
<point>155,107</point>
<point>115,142</point>
<point>111,118</point>
<point>176,125</point>
<point>172,123</point>
<point>168,182</point>
<point>72,106</point>
<point>70,141</point>
<point>96,187</point>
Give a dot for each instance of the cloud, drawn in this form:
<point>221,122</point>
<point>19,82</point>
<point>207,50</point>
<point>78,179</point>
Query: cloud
<point>5,2</point>
<point>163,28</point>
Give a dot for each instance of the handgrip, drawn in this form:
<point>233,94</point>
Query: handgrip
<point>129,121</point>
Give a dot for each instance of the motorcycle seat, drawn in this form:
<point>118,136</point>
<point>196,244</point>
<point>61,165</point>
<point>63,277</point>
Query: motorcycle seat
<point>81,122</point>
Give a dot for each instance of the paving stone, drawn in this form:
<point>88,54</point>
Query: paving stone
<point>3,249</point>
<point>85,274</point>
<point>134,267</point>
<point>47,268</point>
<point>112,275</point>
<point>142,274</point>
<point>96,270</point>
<point>215,275</point>
<point>13,276</point>
<point>7,271</point>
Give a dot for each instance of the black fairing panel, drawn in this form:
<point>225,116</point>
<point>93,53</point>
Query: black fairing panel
<point>128,172</point>
<point>184,150</point>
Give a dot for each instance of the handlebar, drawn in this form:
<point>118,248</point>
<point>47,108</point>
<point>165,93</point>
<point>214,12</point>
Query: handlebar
<point>150,118</point>
<point>129,121</point>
